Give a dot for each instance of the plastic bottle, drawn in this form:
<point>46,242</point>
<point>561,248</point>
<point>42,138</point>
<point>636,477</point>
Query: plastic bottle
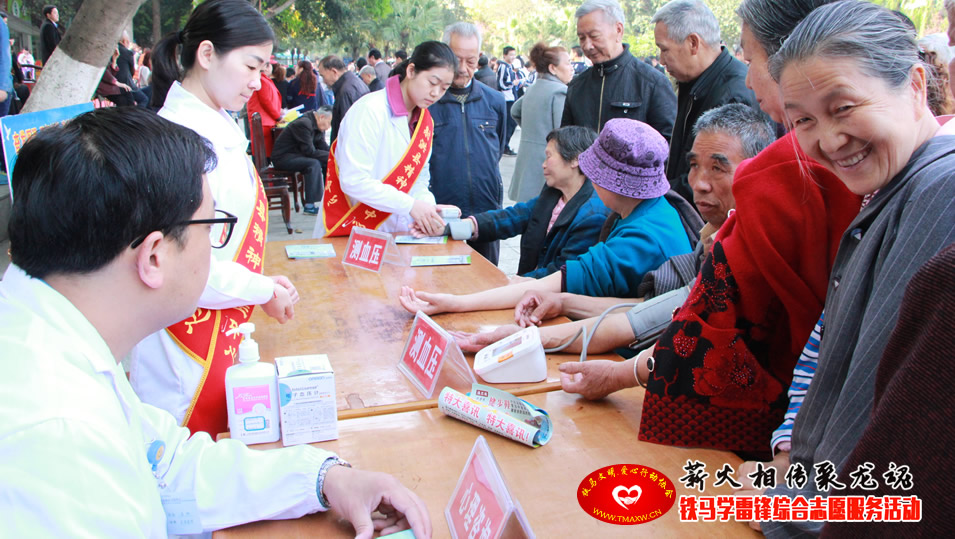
<point>252,393</point>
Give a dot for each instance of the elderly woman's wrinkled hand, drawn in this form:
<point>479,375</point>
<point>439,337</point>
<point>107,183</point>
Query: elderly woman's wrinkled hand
<point>535,307</point>
<point>597,378</point>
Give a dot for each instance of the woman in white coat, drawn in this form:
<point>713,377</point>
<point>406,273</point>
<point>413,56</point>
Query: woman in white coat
<point>378,172</point>
<point>538,113</point>
<point>222,50</point>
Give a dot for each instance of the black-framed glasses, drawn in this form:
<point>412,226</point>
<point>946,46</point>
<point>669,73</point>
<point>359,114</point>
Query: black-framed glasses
<point>222,226</point>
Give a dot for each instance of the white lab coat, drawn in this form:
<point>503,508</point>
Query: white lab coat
<point>160,372</point>
<point>74,435</point>
<point>371,141</point>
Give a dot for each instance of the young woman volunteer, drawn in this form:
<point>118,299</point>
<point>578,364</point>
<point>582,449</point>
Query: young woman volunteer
<point>378,171</point>
<point>222,49</point>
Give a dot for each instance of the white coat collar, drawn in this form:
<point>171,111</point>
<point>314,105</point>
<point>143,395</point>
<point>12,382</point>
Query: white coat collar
<point>40,298</point>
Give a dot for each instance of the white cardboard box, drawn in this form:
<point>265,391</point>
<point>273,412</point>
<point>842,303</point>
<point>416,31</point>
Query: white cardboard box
<point>307,399</point>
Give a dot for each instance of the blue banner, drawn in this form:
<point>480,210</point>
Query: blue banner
<point>16,130</point>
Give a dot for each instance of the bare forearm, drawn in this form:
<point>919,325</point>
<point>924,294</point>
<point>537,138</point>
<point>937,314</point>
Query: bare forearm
<point>505,297</point>
<point>614,332</point>
<point>578,307</point>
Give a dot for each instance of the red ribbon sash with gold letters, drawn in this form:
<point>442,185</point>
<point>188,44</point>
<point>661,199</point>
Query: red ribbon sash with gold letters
<point>339,218</point>
<point>203,335</point>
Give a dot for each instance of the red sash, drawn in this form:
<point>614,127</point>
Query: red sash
<point>203,337</point>
<point>339,218</point>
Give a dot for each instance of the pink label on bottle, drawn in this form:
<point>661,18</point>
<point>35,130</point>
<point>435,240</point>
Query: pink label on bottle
<point>247,397</point>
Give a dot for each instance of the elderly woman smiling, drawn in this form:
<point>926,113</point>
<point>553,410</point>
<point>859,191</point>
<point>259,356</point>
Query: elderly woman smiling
<point>728,354</point>
<point>855,92</point>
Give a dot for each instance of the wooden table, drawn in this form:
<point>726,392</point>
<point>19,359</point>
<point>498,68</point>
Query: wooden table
<point>426,451</point>
<point>354,317</point>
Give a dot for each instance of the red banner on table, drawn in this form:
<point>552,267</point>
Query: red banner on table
<point>481,504</point>
<point>369,249</point>
<point>428,349</point>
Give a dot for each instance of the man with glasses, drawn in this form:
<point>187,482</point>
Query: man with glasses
<point>127,254</point>
<point>469,128</point>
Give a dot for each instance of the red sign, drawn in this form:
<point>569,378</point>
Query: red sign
<point>423,354</point>
<point>474,510</point>
<point>626,494</point>
<point>365,251</point>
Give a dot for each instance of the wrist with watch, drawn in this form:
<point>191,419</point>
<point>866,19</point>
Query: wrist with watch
<point>322,472</point>
<point>651,364</point>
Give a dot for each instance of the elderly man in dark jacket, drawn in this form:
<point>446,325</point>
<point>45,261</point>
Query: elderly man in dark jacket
<point>485,74</point>
<point>618,85</point>
<point>345,84</point>
<point>469,128</point>
<point>302,148</point>
<point>688,36</point>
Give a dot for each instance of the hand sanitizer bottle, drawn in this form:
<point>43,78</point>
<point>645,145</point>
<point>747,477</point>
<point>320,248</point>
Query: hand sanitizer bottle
<point>252,393</point>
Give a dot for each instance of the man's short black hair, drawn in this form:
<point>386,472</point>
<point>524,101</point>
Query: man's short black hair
<point>508,49</point>
<point>401,55</point>
<point>47,9</point>
<point>482,61</point>
<point>375,53</point>
<point>84,191</point>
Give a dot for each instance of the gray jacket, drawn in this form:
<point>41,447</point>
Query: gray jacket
<point>538,113</point>
<point>910,220</point>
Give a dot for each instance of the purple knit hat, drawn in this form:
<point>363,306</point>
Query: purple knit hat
<point>627,159</point>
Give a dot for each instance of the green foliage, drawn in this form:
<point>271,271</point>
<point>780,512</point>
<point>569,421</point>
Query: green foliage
<point>174,14</point>
<point>352,26</point>
<point>928,15</point>
<point>32,10</point>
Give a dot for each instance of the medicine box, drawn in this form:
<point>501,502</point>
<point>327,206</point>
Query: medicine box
<point>307,399</point>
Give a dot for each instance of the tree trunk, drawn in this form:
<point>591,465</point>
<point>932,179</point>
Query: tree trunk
<point>73,72</point>
<point>273,11</point>
<point>157,22</point>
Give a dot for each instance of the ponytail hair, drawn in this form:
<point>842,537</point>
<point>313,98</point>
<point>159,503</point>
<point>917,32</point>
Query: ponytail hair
<point>543,57</point>
<point>227,24</point>
<point>428,55</point>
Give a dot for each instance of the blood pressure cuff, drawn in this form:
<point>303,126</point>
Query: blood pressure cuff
<point>650,318</point>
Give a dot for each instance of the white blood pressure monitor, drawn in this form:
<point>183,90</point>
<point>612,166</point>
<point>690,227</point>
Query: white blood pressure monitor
<point>518,358</point>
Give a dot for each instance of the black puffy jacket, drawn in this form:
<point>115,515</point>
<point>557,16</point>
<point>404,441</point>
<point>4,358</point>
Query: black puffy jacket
<point>722,83</point>
<point>620,88</point>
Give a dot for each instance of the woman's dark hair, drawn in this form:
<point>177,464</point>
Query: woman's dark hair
<point>543,57</point>
<point>278,72</point>
<point>428,55</point>
<point>228,24</point>
<point>771,21</point>
<point>114,175</point>
<point>572,140</point>
<point>148,58</point>
<point>306,79</point>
